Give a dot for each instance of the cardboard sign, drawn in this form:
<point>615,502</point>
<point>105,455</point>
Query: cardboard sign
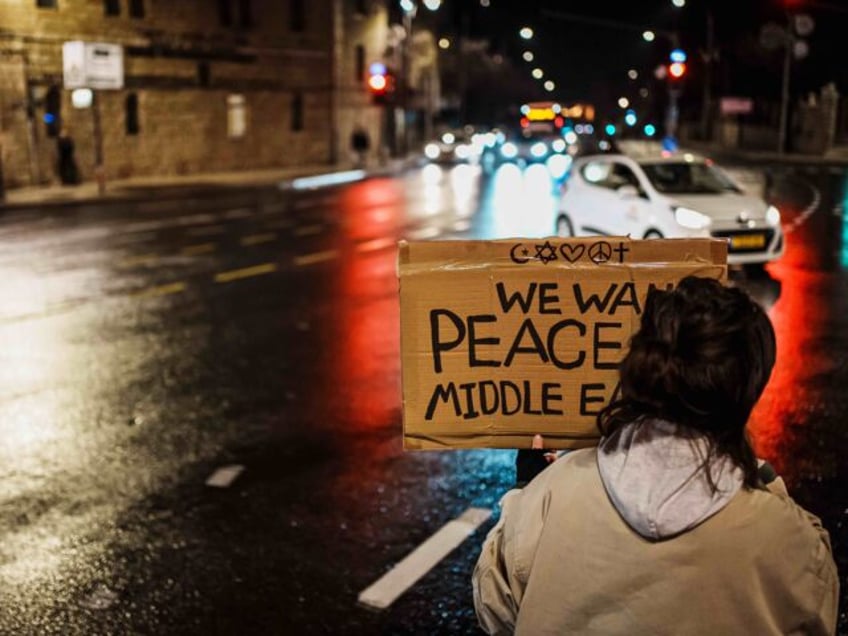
<point>501,340</point>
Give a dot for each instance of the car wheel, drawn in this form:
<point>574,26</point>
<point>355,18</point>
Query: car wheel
<point>653,234</point>
<point>564,228</point>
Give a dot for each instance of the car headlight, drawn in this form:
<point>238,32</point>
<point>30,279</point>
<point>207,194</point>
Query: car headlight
<point>509,150</point>
<point>690,218</point>
<point>539,149</point>
<point>462,151</point>
<point>773,216</point>
<point>558,145</point>
<point>432,151</point>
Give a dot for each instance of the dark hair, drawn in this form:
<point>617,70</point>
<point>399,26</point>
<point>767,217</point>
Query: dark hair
<point>701,359</point>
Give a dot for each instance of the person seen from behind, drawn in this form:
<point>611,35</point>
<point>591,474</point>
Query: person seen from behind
<point>671,525</point>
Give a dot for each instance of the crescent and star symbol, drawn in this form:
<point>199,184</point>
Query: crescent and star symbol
<point>599,252</point>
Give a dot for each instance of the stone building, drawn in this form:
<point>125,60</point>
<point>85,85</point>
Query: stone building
<point>209,85</point>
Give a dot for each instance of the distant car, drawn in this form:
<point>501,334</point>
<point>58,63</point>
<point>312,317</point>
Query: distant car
<point>679,195</point>
<point>523,149</point>
<point>451,147</point>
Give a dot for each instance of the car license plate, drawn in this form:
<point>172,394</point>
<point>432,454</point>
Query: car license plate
<point>748,241</point>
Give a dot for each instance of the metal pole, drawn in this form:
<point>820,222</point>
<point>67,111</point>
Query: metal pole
<point>99,170</point>
<point>404,85</point>
<point>706,111</point>
<point>784,94</point>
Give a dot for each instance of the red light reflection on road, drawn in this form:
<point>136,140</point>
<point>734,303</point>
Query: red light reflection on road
<point>371,208</point>
<point>799,316</point>
<point>367,323</point>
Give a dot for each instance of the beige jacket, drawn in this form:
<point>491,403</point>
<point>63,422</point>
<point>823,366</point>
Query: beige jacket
<point>561,560</point>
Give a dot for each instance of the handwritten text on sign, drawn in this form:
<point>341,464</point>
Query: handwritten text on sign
<point>580,336</point>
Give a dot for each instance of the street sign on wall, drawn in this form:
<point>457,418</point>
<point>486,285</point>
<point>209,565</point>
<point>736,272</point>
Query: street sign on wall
<point>93,65</point>
<point>736,105</point>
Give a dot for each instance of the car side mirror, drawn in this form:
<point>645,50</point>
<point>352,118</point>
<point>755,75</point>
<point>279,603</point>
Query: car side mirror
<point>627,191</point>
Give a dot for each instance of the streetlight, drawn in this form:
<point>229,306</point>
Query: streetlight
<point>679,3</point>
<point>526,33</point>
<point>444,43</point>
<point>550,86</point>
<point>648,36</point>
<point>633,74</point>
<point>623,102</point>
<point>528,56</point>
<point>538,73</point>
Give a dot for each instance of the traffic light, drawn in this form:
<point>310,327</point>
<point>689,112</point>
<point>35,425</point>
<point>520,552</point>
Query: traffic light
<point>381,83</point>
<point>676,70</point>
<point>677,65</point>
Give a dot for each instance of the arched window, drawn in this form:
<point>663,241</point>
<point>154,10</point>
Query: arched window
<point>131,114</point>
<point>53,110</point>
<point>297,112</point>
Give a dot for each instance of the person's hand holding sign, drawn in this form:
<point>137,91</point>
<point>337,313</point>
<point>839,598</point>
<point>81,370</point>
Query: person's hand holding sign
<point>530,462</point>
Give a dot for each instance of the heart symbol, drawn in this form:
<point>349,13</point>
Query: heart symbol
<point>572,253</point>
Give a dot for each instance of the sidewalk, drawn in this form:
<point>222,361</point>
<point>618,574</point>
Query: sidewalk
<point>837,157</point>
<point>175,186</point>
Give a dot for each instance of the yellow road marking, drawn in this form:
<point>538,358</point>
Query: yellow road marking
<point>135,261</point>
<point>201,248</point>
<point>308,230</point>
<point>256,239</point>
<point>161,290</point>
<point>317,257</point>
<point>246,272</point>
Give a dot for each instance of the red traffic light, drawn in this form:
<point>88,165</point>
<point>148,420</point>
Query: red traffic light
<point>377,83</point>
<point>677,70</point>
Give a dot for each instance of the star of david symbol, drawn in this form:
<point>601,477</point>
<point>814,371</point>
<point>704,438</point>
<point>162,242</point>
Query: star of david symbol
<point>546,253</point>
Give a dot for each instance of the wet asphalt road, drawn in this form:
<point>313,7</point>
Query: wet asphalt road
<point>144,349</point>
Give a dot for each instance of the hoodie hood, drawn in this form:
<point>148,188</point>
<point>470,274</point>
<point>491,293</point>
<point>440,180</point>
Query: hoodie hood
<point>655,478</point>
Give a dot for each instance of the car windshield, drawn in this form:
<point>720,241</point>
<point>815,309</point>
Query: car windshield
<point>687,178</point>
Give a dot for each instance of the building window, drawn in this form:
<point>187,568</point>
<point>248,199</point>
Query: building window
<point>136,8</point>
<point>236,116</point>
<point>203,74</point>
<point>53,111</point>
<point>112,7</point>
<point>360,63</point>
<point>298,15</point>
<point>45,4</point>
<point>297,112</point>
<point>245,14</point>
<point>225,13</point>
<point>131,114</point>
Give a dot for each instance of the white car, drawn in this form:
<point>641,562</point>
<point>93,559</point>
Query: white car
<point>680,195</point>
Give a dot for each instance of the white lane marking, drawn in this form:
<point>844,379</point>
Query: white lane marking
<point>316,257</point>
<point>401,577</point>
<point>224,476</point>
<point>246,272</point>
<point>376,244</point>
<point>806,212</point>
<point>308,230</point>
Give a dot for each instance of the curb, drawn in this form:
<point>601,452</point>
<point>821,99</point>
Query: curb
<point>193,194</point>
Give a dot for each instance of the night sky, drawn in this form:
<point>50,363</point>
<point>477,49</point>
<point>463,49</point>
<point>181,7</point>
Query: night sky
<point>587,48</point>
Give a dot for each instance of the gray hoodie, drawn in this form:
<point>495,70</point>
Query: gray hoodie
<point>656,480</point>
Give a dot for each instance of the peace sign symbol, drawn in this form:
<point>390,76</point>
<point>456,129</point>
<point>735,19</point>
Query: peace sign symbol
<point>600,252</point>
